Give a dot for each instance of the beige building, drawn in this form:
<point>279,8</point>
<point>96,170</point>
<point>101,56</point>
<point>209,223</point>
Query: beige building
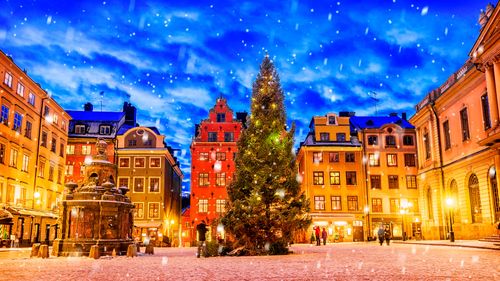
<point>33,138</point>
<point>458,137</point>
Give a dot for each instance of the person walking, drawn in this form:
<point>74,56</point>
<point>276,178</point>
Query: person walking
<point>381,234</point>
<point>202,231</point>
<point>387,235</point>
<point>317,232</point>
<point>324,235</point>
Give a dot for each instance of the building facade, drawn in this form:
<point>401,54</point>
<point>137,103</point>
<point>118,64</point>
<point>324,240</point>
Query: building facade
<point>213,150</point>
<point>331,176</point>
<point>148,167</point>
<point>390,169</point>
<point>33,138</point>
<point>458,136</point>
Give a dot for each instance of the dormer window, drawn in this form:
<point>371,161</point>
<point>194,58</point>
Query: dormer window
<point>79,129</point>
<point>221,117</point>
<point>332,120</point>
<point>104,129</point>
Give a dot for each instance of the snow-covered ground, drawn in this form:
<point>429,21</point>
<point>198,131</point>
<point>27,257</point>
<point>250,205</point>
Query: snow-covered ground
<point>343,261</point>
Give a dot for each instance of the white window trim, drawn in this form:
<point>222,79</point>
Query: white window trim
<point>144,158</point>
<point>159,210</point>
<point>159,185</point>
<point>150,160</point>
<point>143,211</point>
<point>119,162</point>
<point>199,206</point>
<point>128,181</point>
<point>143,182</point>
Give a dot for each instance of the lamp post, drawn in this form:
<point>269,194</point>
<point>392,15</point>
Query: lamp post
<point>367,213</point>
<point>450,203</point>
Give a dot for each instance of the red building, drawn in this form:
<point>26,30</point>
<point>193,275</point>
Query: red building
<point>212,156</point>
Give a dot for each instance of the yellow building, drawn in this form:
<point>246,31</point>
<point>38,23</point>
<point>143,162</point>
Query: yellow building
<point>148,167</point>
<point>33,137</point>
<point>330,170</point>
<point>389,160</point>
<point>458,137</point>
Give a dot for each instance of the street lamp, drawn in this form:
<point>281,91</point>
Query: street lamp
<point>450,202</point>
<point>367,213</point>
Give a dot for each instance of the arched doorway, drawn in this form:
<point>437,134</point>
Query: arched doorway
<point>492,175</point>
<point>475,199</point>
<point>454,196</point>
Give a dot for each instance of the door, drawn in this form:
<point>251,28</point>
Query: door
<point>357,234</point>
<point>37,233</point>
<point>47,233</point>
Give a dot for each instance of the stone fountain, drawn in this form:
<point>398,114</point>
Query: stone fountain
<point>95,213</point>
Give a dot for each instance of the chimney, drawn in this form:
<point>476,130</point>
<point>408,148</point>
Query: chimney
<point>88,107</point>
<point>483,19</point>
<point>489,10</point>
<point>130,113</point>
<point>403,116</point>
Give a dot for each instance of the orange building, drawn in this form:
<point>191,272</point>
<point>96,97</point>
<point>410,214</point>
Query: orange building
<point>212,165</point>
<point>390,167</point>
<point>33,138</point>
<point>458,136</point>
<point>331,175</point>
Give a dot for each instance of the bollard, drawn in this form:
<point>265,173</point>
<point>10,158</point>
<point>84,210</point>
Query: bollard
<point>131,251</point>
<point>113,253</point>
<point>150,250</point>
<point>34,250</point>
<point>94,252</point>
<point>43,251</point>
<point>138,248</point>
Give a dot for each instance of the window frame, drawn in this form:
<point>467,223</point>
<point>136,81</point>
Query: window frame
<point>203,206</point>
<point>378,207</point>
<point>319,202</point>
<point>139,159</point>
<point>318,178</point>
<point>350,157</point>
<point>203,179</point>
<point>333,157</point>
<point>334,202</point>
<point>149,185</point>
<point>464,122</point>
<point>349,176</point>
<point>151,162</point>
<point>392,163</point>
<point>334,177</point>
<point>317,157</point>
<point>350,203</point>
<point>134,183</point>
<point>393,181</point>
<point>153,216</point>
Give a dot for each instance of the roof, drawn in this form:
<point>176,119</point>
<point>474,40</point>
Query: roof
<point>105,116</point>
<point>309,141</point>
<point>375,122</point>
<point>124,128</point>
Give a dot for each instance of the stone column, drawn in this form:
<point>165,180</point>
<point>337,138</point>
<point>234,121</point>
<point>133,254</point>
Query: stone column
<point>492,95</point>
<point>496,70</point>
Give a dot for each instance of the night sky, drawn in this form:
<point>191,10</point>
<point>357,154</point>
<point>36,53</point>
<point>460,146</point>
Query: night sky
<point>172,59</point>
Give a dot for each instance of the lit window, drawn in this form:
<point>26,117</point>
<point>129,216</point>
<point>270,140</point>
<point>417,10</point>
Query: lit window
<point>317,157</point>
<point>139,210</point>
<point>79,129</point>
<point>318,178</point>
<point>394,205</point>
<point>220,206</point>
<point>86,149</point>
<point>221,156</point>
<point>411,182</point>
<point>26,160</point>
<point>352,203</point>
<point>70,149</point>
<point>334,178</point>
<point>220,179</point>
<point>13,157</point>
<point>154,162</point>
<point>336,203</point>
<point>124,162</point>
<point>203,156</point>
<point>319,202</point>
<point>376,205</point>
<point>20,89</point>
<point>139,162</point>
<point>154,184</point>
<point>203,179</point>
<point>8,80</point>
<point>154,210</point>
<point>105,130</point>
<point>374,159</point>
<point>31,99</point>
<point>69,170</point>
<point>392,160</point>
<point>203,206</point>
<point>138,184</point>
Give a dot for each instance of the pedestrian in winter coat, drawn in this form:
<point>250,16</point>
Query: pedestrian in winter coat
<point>324,235</point>
<point>387,235</point>
<point>202,231</point>
<point>317,232</point>
<point>381,234</point>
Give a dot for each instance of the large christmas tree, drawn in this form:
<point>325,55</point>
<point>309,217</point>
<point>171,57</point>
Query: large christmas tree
<point>265,205</point>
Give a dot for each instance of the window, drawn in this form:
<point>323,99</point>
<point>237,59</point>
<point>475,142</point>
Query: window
<point>203,206</point>
<point>407,140</point>
<point>486,112</point>
<point>228,137</point>
<point>203,179</point>
<point>393,182</point>
<point>124,162</point>
<point>69,170</point>
<point>154,162</point>
<point>372,140</point>
<point>464,120</point>
<point>79,129</point>
<point>8,79</point>
<point>70,149</point>
<point>394,205</point>
<point>43,142</point>
<point>324,136</point>
<point>154,184</point>
<point>53,145</point>
<point>390,141</point>
<point>220,179</point>
<point>221,156</point>
<point>317,157</point>
<point>41,169</point>
<point>332,120</point>
<point>392,160</point>
<point>447,137</point>
<point>4,117</point>
<point>221,117</point>
<point>475,199</point>
<point>411,182</point>
<point>352,203</point>
<point>203,156</point>
<point>374,159</point>
<point>63,125</point>
<point>409,160</point>
<point>46,111</point>
<point>26,161</point>
<point>349,157</point>
<point>340,136</point>
<point>220,206</point>
<point>122,182</point>
<point>377,205</point>
<point>138,184</point>
<point>55,119</point>
<point>427,146</point>
<point>413,205</point>
<point>104,129</point>
<point>319,202</point>
<point>86,149</point>
<point>336,203</point>
<point>2,153</point>
<point>20,89</point>
<point>350,178</point>
<point>132,142</point>
<point>333,157</point>
<point>375,182</point>
<point>335,178</point>
<point>51,173</point>
<point>31,99</point>
<point>18,121</point>
<point>139,162</point>
<point>318,178</point>
<point>28,129</point>
<point>154,210</point>
<point>13,158</point>
<point>212,136</point>
<point>139,210</point>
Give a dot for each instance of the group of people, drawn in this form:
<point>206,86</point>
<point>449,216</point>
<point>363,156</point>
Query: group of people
<point>318,234</point>
<point>384,234</point>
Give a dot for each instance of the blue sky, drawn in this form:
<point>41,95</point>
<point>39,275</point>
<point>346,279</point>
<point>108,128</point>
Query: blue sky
<point>172,59</point>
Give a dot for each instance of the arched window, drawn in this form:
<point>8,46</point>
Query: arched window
<point>492,175</point>
<point>430,211</point>
<point>475,199</point>
<point>454,195</point>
